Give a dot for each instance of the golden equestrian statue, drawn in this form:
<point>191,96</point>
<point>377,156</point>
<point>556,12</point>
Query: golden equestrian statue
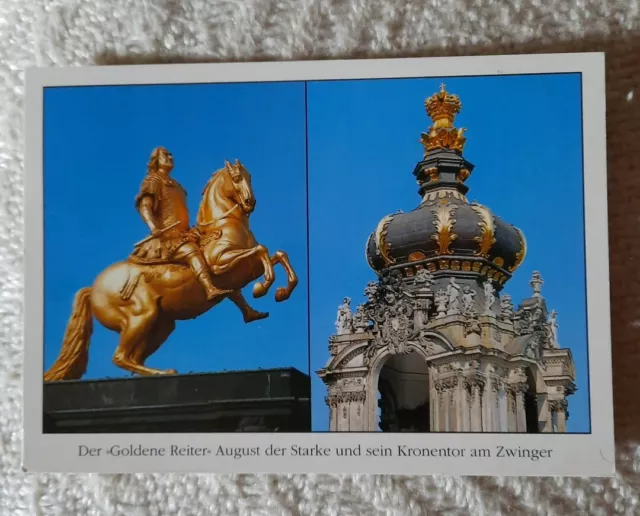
<point>178,272</point>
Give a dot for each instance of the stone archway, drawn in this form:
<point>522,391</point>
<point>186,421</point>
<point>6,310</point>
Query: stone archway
<point>411,368</point>
<point>531,407</point>
<point>404,386</point>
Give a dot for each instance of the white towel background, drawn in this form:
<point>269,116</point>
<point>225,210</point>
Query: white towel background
<point>74,32</point>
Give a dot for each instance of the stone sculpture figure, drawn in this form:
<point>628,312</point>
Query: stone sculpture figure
<point>468,297</point>
<point>553,329</point>
<point>453,293</point>
<point>176,273</point>
<point>344,321</point>
<point>489,297</point>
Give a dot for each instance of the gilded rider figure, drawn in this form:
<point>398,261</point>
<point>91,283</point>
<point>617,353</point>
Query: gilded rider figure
<point>162,204</point>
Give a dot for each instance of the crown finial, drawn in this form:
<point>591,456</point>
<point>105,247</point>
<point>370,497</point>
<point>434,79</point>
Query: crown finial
<point>442,107</point>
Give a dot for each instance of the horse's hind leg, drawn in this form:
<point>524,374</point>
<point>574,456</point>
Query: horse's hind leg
<point>282,258</point>
<point>133,341</point>
<point>156,337</point>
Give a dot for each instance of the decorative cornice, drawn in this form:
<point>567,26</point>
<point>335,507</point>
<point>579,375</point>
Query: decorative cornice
<point>345,397</point>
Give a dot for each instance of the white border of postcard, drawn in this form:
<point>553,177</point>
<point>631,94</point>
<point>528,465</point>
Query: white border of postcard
<point>576,455</point>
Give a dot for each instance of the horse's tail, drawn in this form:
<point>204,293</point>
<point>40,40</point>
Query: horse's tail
<point>72,361</point>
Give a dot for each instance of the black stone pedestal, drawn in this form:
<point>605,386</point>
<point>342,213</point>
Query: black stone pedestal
<point>269,400</point>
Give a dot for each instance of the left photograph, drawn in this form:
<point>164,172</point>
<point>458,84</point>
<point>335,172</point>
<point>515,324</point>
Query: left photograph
<point>175,259</point>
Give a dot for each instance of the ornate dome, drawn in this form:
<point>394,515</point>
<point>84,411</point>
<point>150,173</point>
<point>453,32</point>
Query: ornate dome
<point>445,232</point>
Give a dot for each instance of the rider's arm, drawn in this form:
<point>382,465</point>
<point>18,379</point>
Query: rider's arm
<point>145,207</point>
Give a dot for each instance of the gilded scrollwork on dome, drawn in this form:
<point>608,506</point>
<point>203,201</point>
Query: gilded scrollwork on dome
<point>381,240</point>
<point>444,221</point>
<point>487,236</point>
<point>520,255</point>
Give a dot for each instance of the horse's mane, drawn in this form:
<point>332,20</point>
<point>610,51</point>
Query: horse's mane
<point>212,179</point>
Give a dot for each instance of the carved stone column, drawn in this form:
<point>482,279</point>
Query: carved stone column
<point>476,404</point>
<point>495,404</point>
<point>466,391</point>
<point>558,408</point>
<point>544,417</point>
<point>434,401</point>
<point>487,406</point>
<point>332,402</point>
<point>512,416</point>
<point>521,414</point>
<point>356,401</point>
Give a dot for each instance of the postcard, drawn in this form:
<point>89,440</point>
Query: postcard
<point>365,266</point>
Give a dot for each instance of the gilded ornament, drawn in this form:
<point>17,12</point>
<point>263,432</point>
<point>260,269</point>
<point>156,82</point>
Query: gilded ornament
<point>416,256</point>
<point>455,265</point>
<point>442,108</point>
<point>444,264</point>
<point>433,173</point>
<point>476,266</point>
<point>520,255</point>
<point>131,298</point>
<point>444,221</point>
<point>466,266</point>
<point>498,261</point>
<point>463,175</point>
<point>381,240</point>
<point>432,267</point>
<point>487,236</point>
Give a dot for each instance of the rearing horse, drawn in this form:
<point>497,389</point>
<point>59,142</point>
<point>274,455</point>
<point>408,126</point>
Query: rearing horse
<point>143,302</point>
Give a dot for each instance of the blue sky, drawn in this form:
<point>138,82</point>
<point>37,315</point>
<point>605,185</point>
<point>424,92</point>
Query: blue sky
<point>523,135</point>
<point>98,141</point>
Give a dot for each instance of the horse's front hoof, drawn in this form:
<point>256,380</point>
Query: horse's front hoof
<point>282,294</point>
<point>259,290</point>
<point>256,316</point>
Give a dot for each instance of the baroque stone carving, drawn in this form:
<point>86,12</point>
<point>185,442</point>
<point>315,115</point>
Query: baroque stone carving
<point>333,400</point>
<point>391,311</point>
<point>533,347</point>
<point>558,405</point>
<point>423,279</point>
<point>360,322</point>
<point>472,325</point>
<point>536,283</point>
<point>441,303</point>
<point>506,307</point>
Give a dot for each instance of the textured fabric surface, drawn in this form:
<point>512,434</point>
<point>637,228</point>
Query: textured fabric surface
<point>75,32</point>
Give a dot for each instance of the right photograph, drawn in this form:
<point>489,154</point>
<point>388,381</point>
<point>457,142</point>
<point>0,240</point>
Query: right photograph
<point>447,283</point>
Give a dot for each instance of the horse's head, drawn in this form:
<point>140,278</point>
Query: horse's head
<point>237,186</point>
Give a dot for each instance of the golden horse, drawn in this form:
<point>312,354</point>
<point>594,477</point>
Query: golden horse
<point>143,302</point>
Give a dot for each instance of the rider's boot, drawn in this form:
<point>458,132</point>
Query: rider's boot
<point>200,269</point>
